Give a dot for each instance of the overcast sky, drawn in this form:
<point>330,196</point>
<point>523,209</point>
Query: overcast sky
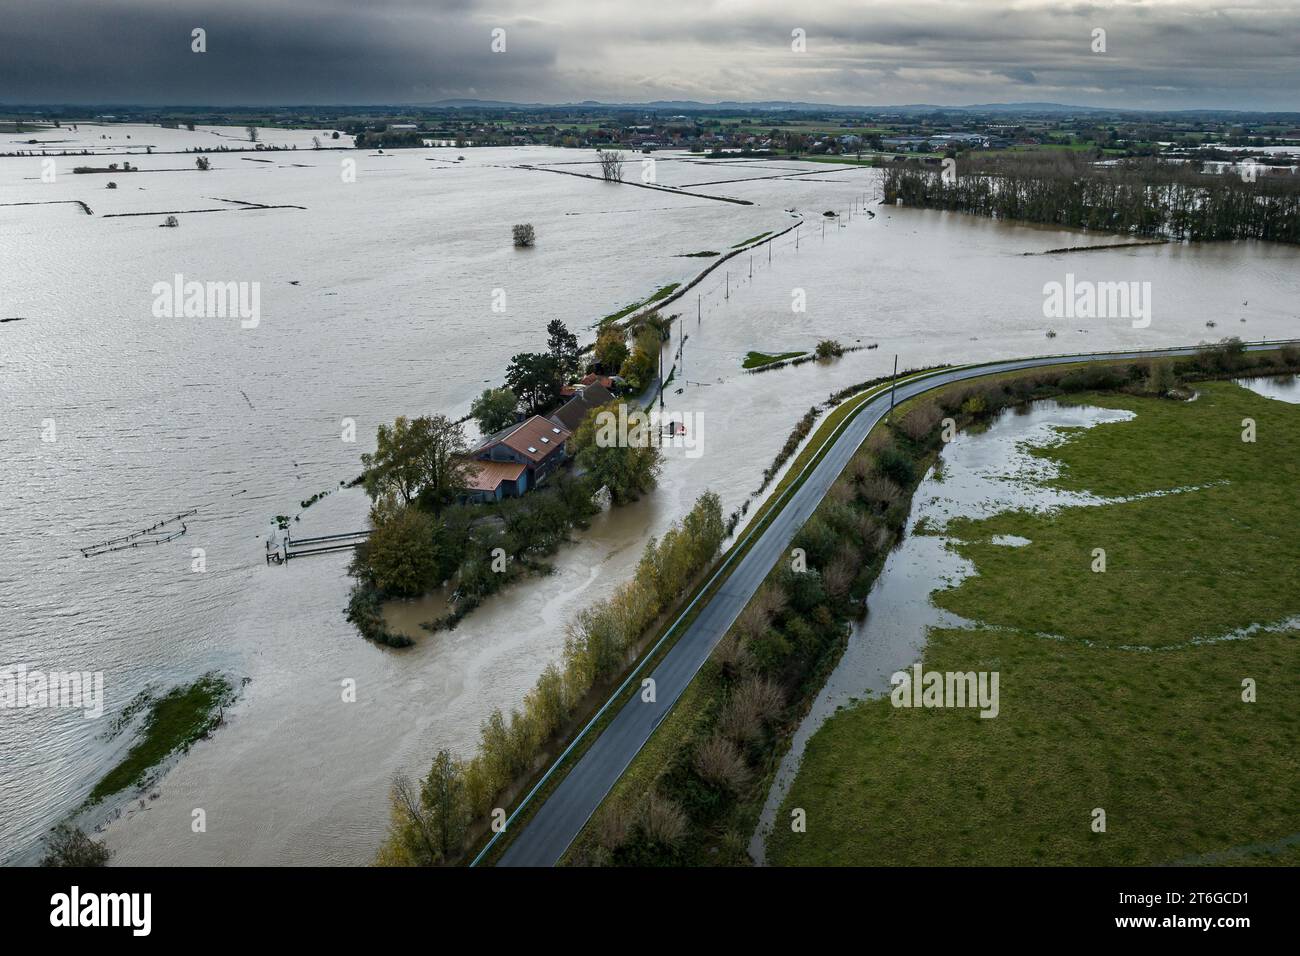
<point>1174,54</point>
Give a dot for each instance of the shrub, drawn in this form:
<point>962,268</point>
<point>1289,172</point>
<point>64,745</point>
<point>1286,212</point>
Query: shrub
<point>732,656</point>
<point>896,466</point>
<point>879,492</point>
<point>720,762</point>
<point>753,703</point>
<point>613,824</point>
<point>68,845</point>
<point>662,820</point>
<point>523,234</point>
<point>829,348</point>
<point>920,421</point>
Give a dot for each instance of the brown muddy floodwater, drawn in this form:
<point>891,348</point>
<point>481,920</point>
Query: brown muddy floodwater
<point>157,416</point>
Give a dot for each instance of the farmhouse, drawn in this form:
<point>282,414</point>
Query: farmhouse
<point>494,480</point>
<point>586,398</point>
<point>536,443</point>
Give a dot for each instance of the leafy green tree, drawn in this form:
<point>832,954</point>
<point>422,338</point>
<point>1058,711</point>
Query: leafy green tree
<point>442,796</point>
<point>563,347</point>
<point>638,370</point>
<point>611,350</point>
<point>626,463</point>
<point>405,555</point>
<point>418,460</point>
<point>494,409</point>
<point>535,377</point>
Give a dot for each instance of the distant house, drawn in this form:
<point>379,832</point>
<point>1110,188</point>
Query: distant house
<point>494,480</point>
<point>586,398</point>
<point>611,382</point>
<point>536,443</point>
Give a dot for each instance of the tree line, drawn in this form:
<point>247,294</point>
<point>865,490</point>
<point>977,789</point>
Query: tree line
<point>433,819</point>
<point>1132,197</point>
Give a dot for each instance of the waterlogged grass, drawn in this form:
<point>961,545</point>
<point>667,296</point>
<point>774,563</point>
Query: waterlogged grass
<point>175,722</point>
<point>659,296</point>
<point>1160,738</point>
<point>759,359</point>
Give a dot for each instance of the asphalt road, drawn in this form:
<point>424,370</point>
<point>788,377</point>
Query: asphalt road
<point>558,821</point>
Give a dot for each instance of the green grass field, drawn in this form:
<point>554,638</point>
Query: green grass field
<point>759,359</point>
<point>175,722</point>
<point>1115,693</point>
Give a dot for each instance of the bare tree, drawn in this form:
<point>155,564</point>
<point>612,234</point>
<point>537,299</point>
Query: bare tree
<point>611,165</point>
<point>252,133</point>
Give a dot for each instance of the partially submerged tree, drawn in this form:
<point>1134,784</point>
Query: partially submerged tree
<point>611,165</point>
<point>406,553</point>
<point>68,845</point>
<point>417,460</point>
<point>615,445</point>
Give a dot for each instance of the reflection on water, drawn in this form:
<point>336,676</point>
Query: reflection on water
<point>1285,388</point>
<point>982,474</point>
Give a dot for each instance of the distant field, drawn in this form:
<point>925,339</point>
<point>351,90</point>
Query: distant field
<point>1106,702</point>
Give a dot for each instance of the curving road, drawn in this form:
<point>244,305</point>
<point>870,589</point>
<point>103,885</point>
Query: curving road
<point>562,816</point>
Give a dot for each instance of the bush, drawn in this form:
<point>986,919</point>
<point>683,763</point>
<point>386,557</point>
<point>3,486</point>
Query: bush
<point>523,234</point>
<point>753,703</point>
<point>68,845</point>
<point>720,762</point>
<point>896,466</point>
<point>920,421</point>
<point>879,492</point>
<point>662,820</point>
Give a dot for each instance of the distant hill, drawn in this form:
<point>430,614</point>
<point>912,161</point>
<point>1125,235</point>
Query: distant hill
<point>695,106</point>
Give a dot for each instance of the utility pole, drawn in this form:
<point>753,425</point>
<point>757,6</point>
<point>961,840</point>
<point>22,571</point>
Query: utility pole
<point>661,374</point>
<point>893,384</point>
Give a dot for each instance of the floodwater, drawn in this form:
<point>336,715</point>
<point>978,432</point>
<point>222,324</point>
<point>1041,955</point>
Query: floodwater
<point>1284,388</point>
<point>376,300</point>
<point>981,474</point>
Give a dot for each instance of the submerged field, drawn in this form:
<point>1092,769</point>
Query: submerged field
<point>377,300</point>
<point>1121,690</point>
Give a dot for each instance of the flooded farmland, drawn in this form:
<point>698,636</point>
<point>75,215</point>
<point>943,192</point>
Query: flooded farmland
<point>376,300</point>
<point>980,474</point>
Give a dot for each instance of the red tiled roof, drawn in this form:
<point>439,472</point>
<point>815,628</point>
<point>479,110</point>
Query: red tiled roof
<point>486,475</point>
<point>536,438</point>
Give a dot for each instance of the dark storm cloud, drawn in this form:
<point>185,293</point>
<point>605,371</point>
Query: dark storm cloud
<point>1160,53</point>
